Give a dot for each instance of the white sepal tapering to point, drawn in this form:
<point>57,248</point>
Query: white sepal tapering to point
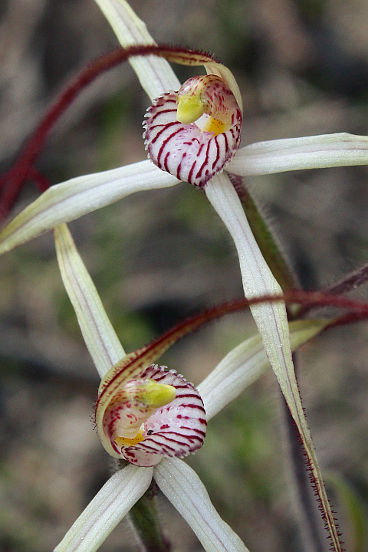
<point>99,335</point>
<point>78,196</point>
<point>154,73</point>
<point>245,364</point>
<point>187,493</point>
<point>106,510</point>
<point>305,152</point>
<point>272,323</point>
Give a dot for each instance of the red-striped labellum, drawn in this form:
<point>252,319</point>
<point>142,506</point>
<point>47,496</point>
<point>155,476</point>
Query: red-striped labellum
<point>149,415</point>
<point>194,132</point>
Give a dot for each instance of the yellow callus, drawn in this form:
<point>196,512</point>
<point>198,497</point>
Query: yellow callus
<point>155,394</point>
<point>152,395</point>
<point>189,109</point>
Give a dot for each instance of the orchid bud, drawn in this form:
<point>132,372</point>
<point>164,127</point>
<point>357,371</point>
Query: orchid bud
<point>194,132</point>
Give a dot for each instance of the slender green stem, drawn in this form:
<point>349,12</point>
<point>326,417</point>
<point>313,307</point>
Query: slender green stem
<point>145,520</point>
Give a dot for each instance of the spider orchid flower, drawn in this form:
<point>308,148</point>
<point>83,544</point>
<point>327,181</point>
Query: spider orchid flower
<point>145,413</point>
<point>193,133</point>
<point>152,417</point>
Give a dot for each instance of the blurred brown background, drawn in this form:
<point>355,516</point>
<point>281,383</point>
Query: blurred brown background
<point>302,67</point>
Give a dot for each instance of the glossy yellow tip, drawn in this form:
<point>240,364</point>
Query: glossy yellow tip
<point>189,109</point>
<point>157,394</point>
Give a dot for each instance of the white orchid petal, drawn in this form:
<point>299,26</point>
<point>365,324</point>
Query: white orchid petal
<point>99,335</point>
<point>257,278</point>
<point>271,320</point>
<point>308,152</point>
<point>154,73</point>
<point>187,493</point>
<point>246,363</point>
<point>106,509</point>
<point>81,195</point>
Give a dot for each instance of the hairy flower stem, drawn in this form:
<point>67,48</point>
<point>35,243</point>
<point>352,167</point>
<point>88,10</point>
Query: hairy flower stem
<point>349,283</point>
<point>310,523</point>
<point>145,520</point>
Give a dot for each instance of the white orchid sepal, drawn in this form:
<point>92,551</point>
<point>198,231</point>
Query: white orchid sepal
<point>81,195</point>
<point>109,506</point>
<point>306,152</point>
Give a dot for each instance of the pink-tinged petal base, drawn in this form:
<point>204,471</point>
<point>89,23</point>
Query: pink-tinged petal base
<point>184,150</point>
<point>176,429</point>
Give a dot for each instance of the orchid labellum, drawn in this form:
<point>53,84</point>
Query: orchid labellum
<point>194,132</point>
<point>143,417</point>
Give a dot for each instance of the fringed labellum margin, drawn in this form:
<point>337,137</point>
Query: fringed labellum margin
<point>154,414</point>
<point>194,132</point>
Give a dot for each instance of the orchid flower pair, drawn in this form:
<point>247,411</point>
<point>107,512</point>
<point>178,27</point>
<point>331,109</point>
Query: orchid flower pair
<point>174,425</point>
<point>192,132</point>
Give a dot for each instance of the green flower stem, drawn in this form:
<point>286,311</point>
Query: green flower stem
<point>145,520</point>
